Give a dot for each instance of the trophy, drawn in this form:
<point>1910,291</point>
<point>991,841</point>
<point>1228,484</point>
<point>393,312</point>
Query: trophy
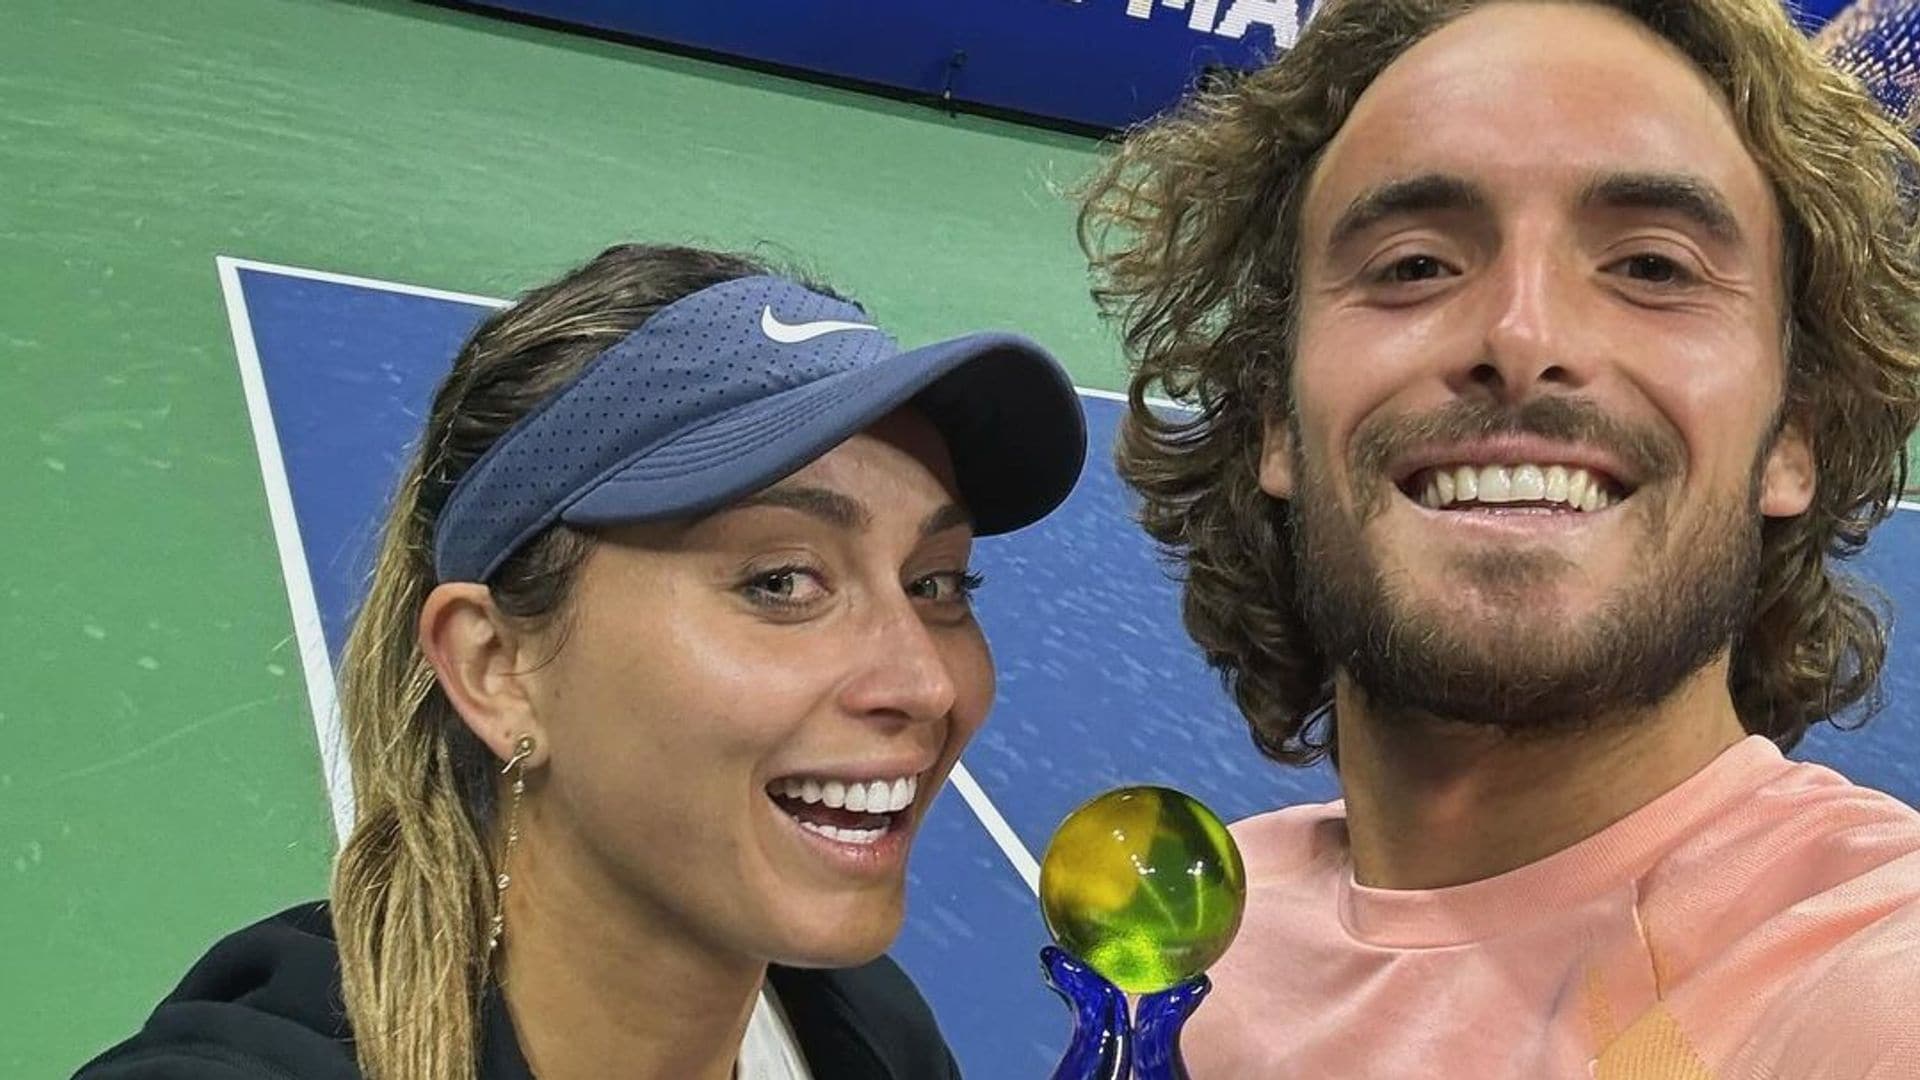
<point>1142,889</point>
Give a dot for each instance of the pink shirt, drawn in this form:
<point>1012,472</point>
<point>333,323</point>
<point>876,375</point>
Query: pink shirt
<point>1761,920</point>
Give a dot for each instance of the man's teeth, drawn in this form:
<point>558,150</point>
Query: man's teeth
<point>860,796</point>
<point>1577,489</point>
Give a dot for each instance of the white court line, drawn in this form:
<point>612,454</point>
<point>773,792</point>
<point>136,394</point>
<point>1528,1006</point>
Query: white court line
<point>404,289</point>
<point>315,664</point>
<point>996,826</point>
<point>331,278</point>
<point>1907,504</point>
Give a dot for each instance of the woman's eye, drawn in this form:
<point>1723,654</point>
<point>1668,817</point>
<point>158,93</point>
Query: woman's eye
<point>790,586</point>
<point>951,587</point>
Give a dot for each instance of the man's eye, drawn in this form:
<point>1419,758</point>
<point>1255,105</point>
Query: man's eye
<point>1415,268</point>
<point>779,584</point>
<point>1657,269</point>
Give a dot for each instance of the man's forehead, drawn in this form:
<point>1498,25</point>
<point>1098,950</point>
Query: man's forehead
<point>1527,91</point>
<point>1519,38</point>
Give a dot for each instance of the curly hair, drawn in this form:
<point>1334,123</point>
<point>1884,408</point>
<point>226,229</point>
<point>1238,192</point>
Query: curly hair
<point>1192,229</point>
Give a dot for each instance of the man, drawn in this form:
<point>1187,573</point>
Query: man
<point>1545,352</point>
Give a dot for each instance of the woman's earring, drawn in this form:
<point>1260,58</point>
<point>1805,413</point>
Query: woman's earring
<point>517,765</point>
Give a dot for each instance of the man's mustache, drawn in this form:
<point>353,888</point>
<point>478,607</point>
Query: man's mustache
<point>1651,453</point>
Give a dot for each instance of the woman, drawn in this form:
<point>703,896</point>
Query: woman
<point>667,650</point>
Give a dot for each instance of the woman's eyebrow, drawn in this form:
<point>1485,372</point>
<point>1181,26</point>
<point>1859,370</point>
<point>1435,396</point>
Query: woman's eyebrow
<point>843,511</point>
<point>947,517</point>
<point>829,506</point>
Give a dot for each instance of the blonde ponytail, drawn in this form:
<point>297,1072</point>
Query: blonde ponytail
<point>410,894</point>
<point>412,891</point>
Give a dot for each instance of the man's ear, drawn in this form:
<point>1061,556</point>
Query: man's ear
<point>1276,457</point>
<point>1788,480</point>
<point>478,654</point>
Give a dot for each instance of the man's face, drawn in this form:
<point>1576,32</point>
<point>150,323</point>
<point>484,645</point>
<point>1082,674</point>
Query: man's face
<point>1537,376</point>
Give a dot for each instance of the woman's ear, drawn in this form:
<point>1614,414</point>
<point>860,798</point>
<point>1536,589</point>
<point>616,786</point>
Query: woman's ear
<point>478,653</point>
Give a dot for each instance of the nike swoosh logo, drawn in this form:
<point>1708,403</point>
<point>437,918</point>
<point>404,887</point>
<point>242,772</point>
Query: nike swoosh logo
<point>795,333</point>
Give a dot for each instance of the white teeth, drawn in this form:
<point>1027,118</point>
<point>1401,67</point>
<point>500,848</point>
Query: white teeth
<point>846,836</point>
<point>1556,484</point>
<point>1529,483</point>
<point>1577,484</point>
<point>1496,484</point>
<point>1466,483</point>
<point>859,796</point>
<point>1524,482</point>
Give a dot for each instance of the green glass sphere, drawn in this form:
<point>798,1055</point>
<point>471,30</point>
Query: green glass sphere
<point>1145,886</point>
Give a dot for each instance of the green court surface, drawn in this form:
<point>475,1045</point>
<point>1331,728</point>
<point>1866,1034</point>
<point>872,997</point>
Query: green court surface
<point>159,782</point>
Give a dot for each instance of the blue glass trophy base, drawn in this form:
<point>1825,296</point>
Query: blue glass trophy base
<point>1107,1044</point>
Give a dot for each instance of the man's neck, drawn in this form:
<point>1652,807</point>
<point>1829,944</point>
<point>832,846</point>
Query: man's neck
<point>597,989</point>
<point>1433,804</point>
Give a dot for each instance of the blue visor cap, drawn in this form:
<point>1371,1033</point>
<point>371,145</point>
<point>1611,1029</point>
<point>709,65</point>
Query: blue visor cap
<point>735,387</point>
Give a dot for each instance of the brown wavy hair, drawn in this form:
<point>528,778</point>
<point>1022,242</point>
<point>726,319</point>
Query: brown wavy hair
<point>1192,229</point>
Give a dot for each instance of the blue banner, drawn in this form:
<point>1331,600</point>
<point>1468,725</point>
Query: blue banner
<point>1096,63</point>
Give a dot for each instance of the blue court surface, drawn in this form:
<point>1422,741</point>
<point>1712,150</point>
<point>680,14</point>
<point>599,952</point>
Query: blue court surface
<point>1099,685</point>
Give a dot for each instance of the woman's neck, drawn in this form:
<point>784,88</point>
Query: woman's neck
<point>599,987</point>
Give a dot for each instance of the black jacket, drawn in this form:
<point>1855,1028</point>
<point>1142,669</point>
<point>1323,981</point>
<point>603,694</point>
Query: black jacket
<point>265,1004</point>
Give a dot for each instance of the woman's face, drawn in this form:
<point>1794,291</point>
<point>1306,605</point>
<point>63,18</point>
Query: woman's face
<point>746,715</point>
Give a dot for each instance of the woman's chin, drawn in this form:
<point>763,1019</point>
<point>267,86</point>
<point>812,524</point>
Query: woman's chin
<point>838,935</point>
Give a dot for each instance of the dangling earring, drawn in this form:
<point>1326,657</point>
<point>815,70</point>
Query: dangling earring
<point>517,764</point>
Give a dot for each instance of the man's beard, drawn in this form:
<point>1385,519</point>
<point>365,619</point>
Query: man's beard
<point>1524,671</point>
